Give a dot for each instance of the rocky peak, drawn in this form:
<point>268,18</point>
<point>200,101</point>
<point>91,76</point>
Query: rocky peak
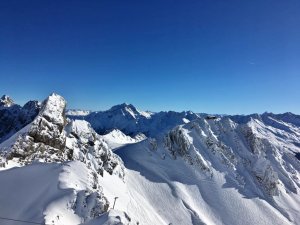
<point>53,109</point>
<point>125,109</point>
<point>44,138</point>
<point>123,106</point>
<point>49,124</point>
<point>32,105</point>
<point>6,101</point>
<point>31,110</point>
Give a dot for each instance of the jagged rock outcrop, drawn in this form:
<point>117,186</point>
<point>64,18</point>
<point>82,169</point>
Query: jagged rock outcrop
<point>266,176</point>
<point>44,139</point>
<point>85,145</point>
<point>50,137</point>
<point>179,143</point>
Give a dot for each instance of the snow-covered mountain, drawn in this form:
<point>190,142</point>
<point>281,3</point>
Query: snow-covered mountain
<point>131,121</point>
<point>59,163</point>
<point>160,168</point>
<point>13,117</point>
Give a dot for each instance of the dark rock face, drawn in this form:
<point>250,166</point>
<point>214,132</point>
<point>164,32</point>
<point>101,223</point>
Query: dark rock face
<point>14,117</point>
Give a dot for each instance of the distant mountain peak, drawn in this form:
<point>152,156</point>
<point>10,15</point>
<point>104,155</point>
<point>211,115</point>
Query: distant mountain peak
<point>6,101</point>
<point>123,106</point>
<point>126,109</point>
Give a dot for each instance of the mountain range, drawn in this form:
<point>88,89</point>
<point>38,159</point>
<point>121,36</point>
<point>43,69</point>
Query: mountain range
<point>127,166</point>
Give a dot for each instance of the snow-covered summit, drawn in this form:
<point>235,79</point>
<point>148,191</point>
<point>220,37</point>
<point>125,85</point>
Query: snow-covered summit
<point>6,101</point>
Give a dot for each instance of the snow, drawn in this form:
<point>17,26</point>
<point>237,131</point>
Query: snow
<point>41,192</point>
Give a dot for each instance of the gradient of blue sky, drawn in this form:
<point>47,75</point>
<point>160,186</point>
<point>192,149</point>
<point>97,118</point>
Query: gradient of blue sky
<point>217,56</point>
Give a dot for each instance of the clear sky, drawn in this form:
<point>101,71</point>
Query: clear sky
<point>216,56</point>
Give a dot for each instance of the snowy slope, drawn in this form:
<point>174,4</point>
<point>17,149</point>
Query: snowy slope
<point>164,191</point>
<point>215,171</point>
<point>47,192</point>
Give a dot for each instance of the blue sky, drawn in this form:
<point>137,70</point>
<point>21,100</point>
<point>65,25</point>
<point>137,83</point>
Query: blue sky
<point>228,56</point>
